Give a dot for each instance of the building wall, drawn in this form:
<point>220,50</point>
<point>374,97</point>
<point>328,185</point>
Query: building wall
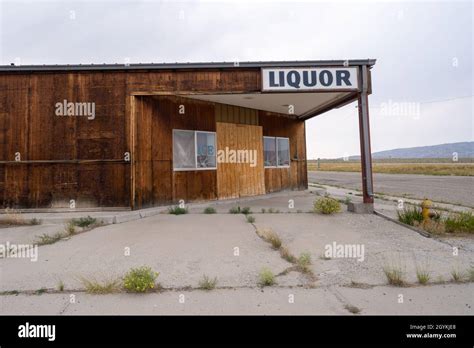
<point>64,158</point>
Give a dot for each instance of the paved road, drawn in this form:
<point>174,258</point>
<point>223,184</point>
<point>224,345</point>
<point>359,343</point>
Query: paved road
<point>449,189</point>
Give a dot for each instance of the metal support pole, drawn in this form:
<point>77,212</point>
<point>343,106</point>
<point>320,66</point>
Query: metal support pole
<point>364,131</point>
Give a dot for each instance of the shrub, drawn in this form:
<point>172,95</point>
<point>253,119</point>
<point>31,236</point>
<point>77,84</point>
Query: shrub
<point>246,210</point>
<point>410,215</point>
<point>234,210</point>
<point>250,219</point>
<point>266,277</point>
<point>210,210</point>
<point>140,279</point>
<point>263,211</point>
<point>61,285</point>
<point>460,223</point>
<point>456,275</point>
<point>207,283</point>
<point>177,210</point>
<point>327,205</point>
<point>84,221</point>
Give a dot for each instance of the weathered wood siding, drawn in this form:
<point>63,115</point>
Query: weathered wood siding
<point>64,158</point>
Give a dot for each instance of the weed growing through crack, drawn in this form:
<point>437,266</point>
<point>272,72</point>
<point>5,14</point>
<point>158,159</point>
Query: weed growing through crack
<point>304,261</point>
<point>177,210</point>
<point>456,276</point>
<point>35,221</point>
<point>106,286</point>
<point>250,219</point>
<point>266,277</point>
<point>209,210</point>
<point>40,291</point>
<point>84,221</point>
<point>60,285</point>
<point>270,237</point>
<point>207,283</point>
<point>140,279</point>
<point>327,205</point>
<point>246,210</point>
<point>46,239</point>
<point>470,274</point>
<point>395,275</point>
<point>70,228</point>
<point>234,210</point>
<point>423,276</point>
<point>286,255</point>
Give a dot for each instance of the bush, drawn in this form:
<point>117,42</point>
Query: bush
<point>35,221</point>
<point>327,205</point>
<point>177,210</point>
<point>266,277</point>
<point>210,210</point>
<point>285,254</point>
<point>140,279</point>
<point>270,237</point>
<point>410,216</point>
<point>84,221</point>
<point>460,223</point>
<point>94,286</point>
<point>234,210</point>
<point>250,219</point>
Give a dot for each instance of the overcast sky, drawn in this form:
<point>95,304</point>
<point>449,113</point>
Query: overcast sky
<point>424,53</point>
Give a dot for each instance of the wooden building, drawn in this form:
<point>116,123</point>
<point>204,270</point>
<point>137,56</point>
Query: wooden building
<point>140,135</point>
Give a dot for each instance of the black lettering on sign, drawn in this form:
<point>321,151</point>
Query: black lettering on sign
<point>343,75</point>
<point>325,78</point>
<point>294,79</point>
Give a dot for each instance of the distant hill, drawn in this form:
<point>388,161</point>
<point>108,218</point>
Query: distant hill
<point>464,150</point>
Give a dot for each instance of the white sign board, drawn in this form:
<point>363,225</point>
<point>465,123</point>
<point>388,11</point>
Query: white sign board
<point>309,79</point>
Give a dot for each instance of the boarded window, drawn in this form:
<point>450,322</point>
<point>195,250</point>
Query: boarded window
<point>283,152</point>
<point>269,152</point>
<point>184,154</point>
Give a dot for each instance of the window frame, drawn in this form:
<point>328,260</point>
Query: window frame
<point>195,151</point>
<point>276,152</point>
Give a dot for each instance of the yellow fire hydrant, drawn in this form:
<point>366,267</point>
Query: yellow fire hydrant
<point>425,209</point>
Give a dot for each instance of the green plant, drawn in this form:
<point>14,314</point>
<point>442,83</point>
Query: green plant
<point>423,276</point>
<point>347,200</point>
<point>410,215</point>
<point>234,210</point>
<point>207,283</point>
<point>327,205</point>
<point>177,210</point>
<point>470,274</point>
<point>246,210</point>
<point>140,279</point>
<point>61,285</point>
<point>271,211</point>
<point>46,239</point>
<point>35,221</point>
<point>250,219</point>
<point>263,211</point>
<point>304,261</point>
<point>94,286</point>
<point>266,277</point>
<point>460,223</point>
<point>209,210</point>
<point>395,275</point>
<point>84,221</point>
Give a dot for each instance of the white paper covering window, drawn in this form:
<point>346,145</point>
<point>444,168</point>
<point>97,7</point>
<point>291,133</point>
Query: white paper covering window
<point>184,155</point>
